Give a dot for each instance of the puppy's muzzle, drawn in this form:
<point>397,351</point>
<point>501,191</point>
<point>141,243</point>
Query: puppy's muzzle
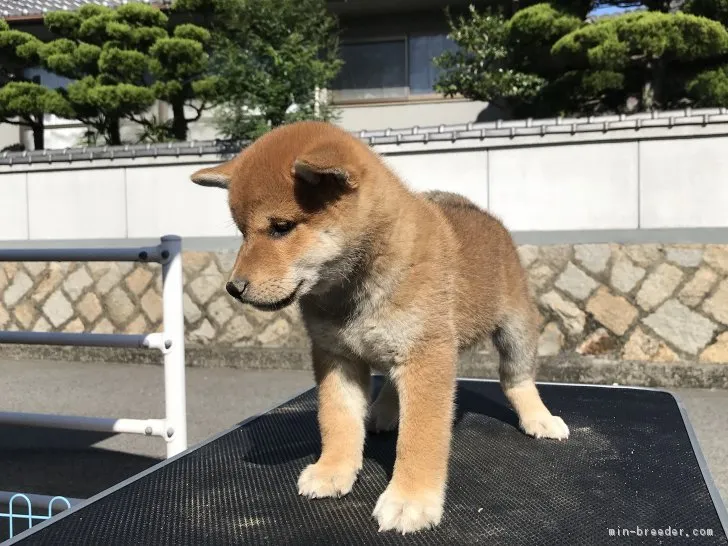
<point>237,287</point>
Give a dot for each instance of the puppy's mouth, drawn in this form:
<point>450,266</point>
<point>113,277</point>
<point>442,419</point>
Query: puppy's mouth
<point>277,305</point>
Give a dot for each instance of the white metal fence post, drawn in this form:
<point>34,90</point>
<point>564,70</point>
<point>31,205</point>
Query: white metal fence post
<point>174,355</point>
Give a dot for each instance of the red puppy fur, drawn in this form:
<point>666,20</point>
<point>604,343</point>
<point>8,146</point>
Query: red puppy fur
<point>386,279</point>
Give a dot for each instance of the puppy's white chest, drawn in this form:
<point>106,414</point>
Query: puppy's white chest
<point>379,338</point>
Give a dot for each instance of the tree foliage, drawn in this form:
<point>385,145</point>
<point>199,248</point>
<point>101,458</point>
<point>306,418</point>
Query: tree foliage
<point>121,60</point>
<point>269,58</point>
<point>23,102</point>
<point>104,52</point>
<point>481,68</point>
<point>546,59</point>
<point>180,67</point>
<point>633,55</point>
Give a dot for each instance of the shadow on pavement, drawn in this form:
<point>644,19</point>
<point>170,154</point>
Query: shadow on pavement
<point>54,462</point>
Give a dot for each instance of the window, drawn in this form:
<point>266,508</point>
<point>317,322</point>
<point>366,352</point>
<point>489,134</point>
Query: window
<point>422,71</point>
<point>397,68</point>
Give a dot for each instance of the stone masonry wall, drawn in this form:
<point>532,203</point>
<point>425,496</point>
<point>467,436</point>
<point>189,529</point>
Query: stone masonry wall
<point>649,302</point>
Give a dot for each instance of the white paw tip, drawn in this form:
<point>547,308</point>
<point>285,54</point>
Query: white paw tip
<point>549,426</point>
<point>320,482</point>
<point>396,512</point>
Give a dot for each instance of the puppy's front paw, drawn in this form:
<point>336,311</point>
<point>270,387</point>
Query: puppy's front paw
<point>546,426</point>
<point>407,512</point>
<point>382,418</point>
<point>319,481</point>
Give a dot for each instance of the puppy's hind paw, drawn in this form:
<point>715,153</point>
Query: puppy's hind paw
<point>546,426</point>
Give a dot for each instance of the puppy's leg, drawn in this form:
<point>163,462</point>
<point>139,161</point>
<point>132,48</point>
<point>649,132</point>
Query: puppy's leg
<point>414,498</point>
<point>516,341</point>
<point>384,411</point>
<point>343,397</point>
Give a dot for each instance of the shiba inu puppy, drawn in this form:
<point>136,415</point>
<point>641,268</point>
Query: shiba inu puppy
<point>389,280</point>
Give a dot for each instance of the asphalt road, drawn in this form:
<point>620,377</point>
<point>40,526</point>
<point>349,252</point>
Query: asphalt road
<point>217,399</point>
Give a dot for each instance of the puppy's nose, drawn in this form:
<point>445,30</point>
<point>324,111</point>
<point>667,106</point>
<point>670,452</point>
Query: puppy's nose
<point>237,287</point>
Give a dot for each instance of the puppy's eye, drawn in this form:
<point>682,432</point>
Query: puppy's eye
<point>279,229</point>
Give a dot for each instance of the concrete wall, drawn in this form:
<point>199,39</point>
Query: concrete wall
<point>366,116</point>
<point>651,178</point>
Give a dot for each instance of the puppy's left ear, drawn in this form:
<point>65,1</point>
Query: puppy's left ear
<point>218,176</point>
<point>324,162</point>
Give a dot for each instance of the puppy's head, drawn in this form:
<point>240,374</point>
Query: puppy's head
<point>293,194</point>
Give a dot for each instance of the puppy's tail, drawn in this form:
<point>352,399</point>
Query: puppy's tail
<point>449,199</point>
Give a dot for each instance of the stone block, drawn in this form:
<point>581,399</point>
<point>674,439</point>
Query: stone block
<point>57,309</point>
<point>238,330</point>
<point>75,326</point>
<point>193,262</point>
<point>682,327</point>
<point>685,255</point>
<point>571,317</point>
<point>4,316</point>
<point>42,325</point>
<point>191,310</point>
<point>659,286</point>
<point>716,256</point>
<point>207,284</point>
<point>644,347</point>
<point>551,340</point>
<point>20,285</point>
<point>138,325</point>
<point>717,352</point>
<point>717,305</point>
<point>109,280</point>
<point>50,279</point>
<point>138,280</point>
<point>575,282</point>
<point>597,343</point>
<point>90,307</point>
<point>226,260</point>
<point>25,314</point>
<point>644,255</point>
<point>77,282</point>
<point>119,306</point>
<point>220,310</point>
<point>614,312</point>
<point>527,254</point>
<point>275,334</point>
<point>104,327</point>
<point>540,276</point>
<point>625,275</point>
<point>204,334</point>
<point>696,288</point>
<point>35,268</point>
<point>556,255</point>
<point>152,305</point>
<point>593,257</point>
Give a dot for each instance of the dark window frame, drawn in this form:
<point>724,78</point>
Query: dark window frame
<point>408,96</point>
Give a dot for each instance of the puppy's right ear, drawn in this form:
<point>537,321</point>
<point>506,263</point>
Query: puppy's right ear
<point>214,177</point>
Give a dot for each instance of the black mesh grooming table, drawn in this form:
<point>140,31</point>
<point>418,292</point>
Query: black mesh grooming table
<point>630,472</point>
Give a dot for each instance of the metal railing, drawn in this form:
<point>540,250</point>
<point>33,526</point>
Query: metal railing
<point>170,342</point>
